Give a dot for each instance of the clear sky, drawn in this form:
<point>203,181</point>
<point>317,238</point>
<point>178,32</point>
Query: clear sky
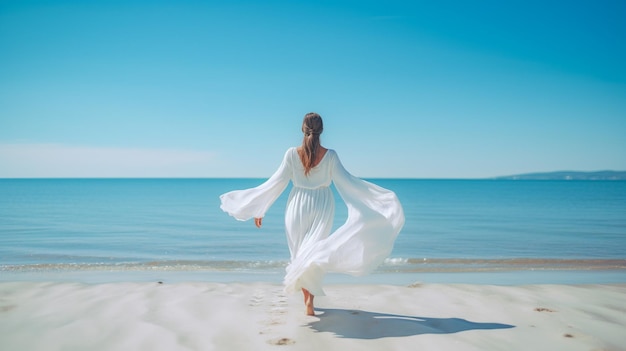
<point>419,89</point>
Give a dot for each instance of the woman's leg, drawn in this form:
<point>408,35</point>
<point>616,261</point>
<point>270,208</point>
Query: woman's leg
<point>306,294</point>
<point>308,302</point>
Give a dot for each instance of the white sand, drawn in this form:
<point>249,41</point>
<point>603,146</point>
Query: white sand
<point>211,316</point>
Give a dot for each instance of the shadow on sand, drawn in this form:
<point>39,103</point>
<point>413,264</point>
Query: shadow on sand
<point>357,324</point>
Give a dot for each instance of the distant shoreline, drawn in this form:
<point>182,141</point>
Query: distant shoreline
<point>557,175</point>
<point>568,175</point>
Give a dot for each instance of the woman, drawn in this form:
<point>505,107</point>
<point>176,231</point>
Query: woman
<point>375,215</point>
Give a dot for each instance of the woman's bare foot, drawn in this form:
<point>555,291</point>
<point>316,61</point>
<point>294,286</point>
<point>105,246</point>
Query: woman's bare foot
<point>310,309</point>
<point>308,302</point>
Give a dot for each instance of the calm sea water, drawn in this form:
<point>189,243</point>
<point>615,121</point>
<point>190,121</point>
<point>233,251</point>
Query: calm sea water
<point>111,225</point>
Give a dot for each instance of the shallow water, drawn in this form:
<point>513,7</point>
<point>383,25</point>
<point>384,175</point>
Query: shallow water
<point>175,225</point>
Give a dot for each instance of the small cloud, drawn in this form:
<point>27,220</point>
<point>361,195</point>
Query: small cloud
<point>58,160</point>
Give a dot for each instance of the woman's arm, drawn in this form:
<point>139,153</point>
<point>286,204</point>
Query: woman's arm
<point>254,202</point>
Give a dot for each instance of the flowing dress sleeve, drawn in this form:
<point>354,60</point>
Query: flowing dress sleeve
<point>254,202</point>
<point>375,217</point>
<point>363,242</point>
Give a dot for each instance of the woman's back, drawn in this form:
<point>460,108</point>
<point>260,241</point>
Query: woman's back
<point>319,176</point>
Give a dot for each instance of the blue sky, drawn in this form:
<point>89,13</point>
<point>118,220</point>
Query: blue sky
<point>432,89</point>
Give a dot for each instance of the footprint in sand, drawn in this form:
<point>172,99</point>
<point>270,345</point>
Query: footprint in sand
<point>279,303</point>
<point>543,309</point>
<point>276,309</point>
<point>281,341</point>
<point>7,308</point>
<point>257,298</point>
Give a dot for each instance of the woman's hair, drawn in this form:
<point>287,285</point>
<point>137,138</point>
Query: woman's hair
<point>312,127</point>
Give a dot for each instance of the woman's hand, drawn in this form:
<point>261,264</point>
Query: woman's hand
<point>258,222</point>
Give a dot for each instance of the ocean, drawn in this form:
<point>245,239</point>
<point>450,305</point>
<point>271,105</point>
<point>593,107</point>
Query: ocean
<point>491,231</point>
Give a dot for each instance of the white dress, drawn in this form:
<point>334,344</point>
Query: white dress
<point>375,217</point>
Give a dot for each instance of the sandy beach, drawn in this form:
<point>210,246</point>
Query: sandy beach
<point>259,316</point>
